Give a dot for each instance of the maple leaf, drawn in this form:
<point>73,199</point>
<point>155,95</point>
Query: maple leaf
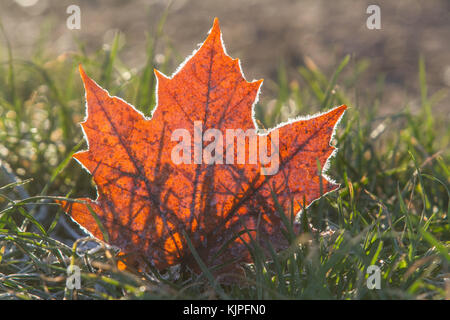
<point>147,203</point>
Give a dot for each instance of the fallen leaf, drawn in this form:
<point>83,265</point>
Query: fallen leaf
<point>146,200</point>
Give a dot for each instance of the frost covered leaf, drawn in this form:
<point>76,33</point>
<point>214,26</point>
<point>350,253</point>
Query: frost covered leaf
<point>146,199</point>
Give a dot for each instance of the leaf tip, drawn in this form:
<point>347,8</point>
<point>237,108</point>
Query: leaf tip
<point>216,23</point>
<point>258,82</point>
<point>340,110</point>
<point>158,74</point>
<point>215,30</point>
<point>81,70</point>
<point>84,77</point>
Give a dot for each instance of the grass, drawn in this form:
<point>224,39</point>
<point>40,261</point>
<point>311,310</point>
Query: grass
<point>391,211</point>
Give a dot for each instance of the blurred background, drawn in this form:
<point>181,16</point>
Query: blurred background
<point>264,34</point>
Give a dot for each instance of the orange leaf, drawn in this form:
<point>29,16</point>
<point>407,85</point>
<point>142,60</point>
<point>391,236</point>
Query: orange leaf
<point>154,182</point>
